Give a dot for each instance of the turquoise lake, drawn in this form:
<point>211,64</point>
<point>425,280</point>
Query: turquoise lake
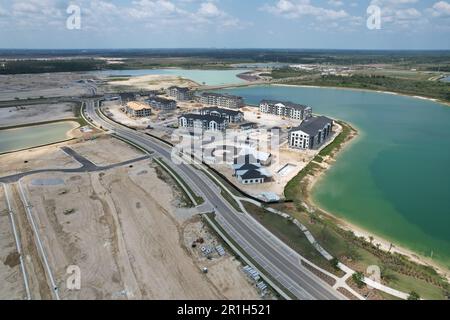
<point>208,77</point>
<point>28,137</point>
<point>394,179</point>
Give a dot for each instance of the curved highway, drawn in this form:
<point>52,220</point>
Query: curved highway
<point>273,256</point>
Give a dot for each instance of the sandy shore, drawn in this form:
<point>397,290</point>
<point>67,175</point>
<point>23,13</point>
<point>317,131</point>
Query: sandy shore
<point>74,132</point>
<point>384,244</point>
<point>152,82</point>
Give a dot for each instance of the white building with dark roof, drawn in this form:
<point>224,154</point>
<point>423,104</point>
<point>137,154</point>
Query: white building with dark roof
<point>251,173</point>
<point>205,122</point>
<point>233,116</point>
<point>180,93</point>
<point>311,134</point>
<point>221,100</point>
<point>159,103</point>
<point>286,109</point>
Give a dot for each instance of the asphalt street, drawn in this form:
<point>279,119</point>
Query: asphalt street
<point>274,257</point>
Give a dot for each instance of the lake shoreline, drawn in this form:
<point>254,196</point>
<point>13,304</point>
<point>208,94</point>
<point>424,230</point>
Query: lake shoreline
<point>446,103</point>
<point>71,134</point>
<point>384,244</point>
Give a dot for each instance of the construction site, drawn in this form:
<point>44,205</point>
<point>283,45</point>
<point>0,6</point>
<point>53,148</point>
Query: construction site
<point>108,209</point>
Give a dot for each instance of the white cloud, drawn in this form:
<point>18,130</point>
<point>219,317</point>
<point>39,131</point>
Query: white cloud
<point>301,8</point>
<point>440,9</point>
<point>104,15</point>
<point>333,17</point>
<point>209,9</point>
<point>400,14</point>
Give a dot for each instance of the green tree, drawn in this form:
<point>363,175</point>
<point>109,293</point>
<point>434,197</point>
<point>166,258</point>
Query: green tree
<point>358,278</point>
<point>413,296</point>
<point>335,263</point>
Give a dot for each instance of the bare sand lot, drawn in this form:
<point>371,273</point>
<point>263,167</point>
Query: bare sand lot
<point>268,121</point>
<point>48,157</point>
<point>12,287</point>
<point>120,228</point>
<point>33,86</point>
<point>149,82</point>
<point>105,150</point>
<point>20,115</point>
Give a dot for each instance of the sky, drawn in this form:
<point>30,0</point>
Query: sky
<point>304,24</point>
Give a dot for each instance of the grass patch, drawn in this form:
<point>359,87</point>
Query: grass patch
<point>77,111</point>
<point>338,141</point>
<point>404,283</point>
<point>294,190</point>
<point>290,234</point>
<point>230,200</point>
<point>397,271</point>
<point>287,72</point>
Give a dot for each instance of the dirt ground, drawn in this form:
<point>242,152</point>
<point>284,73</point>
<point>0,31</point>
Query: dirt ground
<point>49,157</point>
<point>12,286</point>
<point>120,228</point>
<point>225,272</point>
<point>106,150</point>
<point>268,121</point>
<point>24,86</point>
<point>149,82</point>
<point>35,113</point>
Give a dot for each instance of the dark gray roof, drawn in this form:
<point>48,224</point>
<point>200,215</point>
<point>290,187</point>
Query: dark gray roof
<point>313,125</point>
<point>248,124</point>
<point>161,100</point>
<point>221,110</point>
<point>253,174</point>
<point>182,89</point>
<point>208,118</point>
<point>287,104</point>
<point>225,95</point>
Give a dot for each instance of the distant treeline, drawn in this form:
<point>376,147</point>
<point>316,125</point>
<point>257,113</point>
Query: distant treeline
<point>432,89</point>
<point>44,66</point>
<point>343,57</point>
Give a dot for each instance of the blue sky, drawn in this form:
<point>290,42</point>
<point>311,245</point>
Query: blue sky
<point>339,24</point>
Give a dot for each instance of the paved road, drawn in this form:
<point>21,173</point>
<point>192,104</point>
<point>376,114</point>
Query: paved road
<point>276,258</point>
<point>86,166</point>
